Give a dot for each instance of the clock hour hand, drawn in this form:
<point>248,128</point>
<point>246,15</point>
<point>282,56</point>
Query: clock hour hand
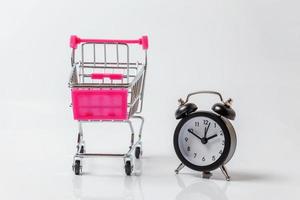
<point>211,137</point>
<point>192,132</point>
<point>203,140</point>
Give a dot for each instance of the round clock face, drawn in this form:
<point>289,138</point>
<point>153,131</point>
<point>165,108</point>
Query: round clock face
<point>202,141</point>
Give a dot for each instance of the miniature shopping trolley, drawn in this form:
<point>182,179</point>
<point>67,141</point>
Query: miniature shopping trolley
<point>107,85</point>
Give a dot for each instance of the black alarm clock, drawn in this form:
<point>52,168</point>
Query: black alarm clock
<point>205,140</point>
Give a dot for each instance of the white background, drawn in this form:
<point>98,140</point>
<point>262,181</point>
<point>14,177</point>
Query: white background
<point>247,50</point>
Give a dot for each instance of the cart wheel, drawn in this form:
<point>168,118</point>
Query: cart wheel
<point>77,167</point>
<point>128,168</point>
<point>138,152</point>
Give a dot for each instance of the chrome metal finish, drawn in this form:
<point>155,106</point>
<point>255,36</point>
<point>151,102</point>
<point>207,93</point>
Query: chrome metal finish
<point>117,53</point>
<point>97,85</point>
<point>228,102</point>
<point>143,85</point>
<point>82,60</point>
<point>204,92</point>
<point>85,155</point>
<point>141,125</point>
<point>181,102</point>
<point>105,63</point>
<point>132,133</point>
<point>180,167</point>
<point>225,173</point>
<point>127,63</point>
<point>80,128</point>
<point>134,74</point>
<point>86,64</point>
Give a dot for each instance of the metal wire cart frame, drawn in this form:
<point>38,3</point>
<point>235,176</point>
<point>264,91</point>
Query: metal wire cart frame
<point>106,86</point>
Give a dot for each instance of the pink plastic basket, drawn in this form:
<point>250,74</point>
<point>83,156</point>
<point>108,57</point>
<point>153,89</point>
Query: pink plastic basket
<point>99,104</point>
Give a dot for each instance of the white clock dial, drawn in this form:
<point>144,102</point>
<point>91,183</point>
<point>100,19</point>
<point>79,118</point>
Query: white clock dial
<point>201,141</point>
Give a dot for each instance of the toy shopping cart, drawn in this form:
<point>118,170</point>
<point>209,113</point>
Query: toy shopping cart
<point>107,86</point>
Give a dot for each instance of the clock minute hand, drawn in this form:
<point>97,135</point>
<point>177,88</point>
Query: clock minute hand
<point>211,137</point>
<point>192,132</point>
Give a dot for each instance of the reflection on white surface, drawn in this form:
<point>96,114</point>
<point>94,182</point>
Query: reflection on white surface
<point>105,179</point>
<point>160,184</point>
<point>111,187</point>
<point>202,189</point>
<point>131,189</point>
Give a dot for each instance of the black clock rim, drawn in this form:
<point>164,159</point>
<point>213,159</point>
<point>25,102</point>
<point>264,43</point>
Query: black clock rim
<point>226,150</point>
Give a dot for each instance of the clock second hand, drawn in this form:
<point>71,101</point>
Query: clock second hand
<point>206,130</point>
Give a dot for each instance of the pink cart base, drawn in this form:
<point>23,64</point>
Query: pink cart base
<point>99,104</point>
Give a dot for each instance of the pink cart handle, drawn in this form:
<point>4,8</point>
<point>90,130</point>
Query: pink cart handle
<point>74,41</point>
<point>110,76</point>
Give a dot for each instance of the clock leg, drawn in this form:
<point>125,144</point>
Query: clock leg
<point>179,168</point>
<point>206,175</point>
<point>225,173</point>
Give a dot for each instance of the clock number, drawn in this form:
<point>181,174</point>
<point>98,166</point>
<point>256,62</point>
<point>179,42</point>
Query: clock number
<point>186,139</point>
<point>220,152</point>
<point>203,158</point>
<point>213,158</point>
<point>195,154</point>
<point>205,122</point>
<point>197,124</point>
<point>188,148</point>
<point>221,133</point>
<point>215,124</point>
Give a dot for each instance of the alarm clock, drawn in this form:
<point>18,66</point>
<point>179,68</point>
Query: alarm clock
<point>205,140</point>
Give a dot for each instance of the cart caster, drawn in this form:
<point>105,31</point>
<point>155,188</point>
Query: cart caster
<point>128,168</point>
<point>138,152</point>
<point>82,149</point>
<point>77,168</point>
